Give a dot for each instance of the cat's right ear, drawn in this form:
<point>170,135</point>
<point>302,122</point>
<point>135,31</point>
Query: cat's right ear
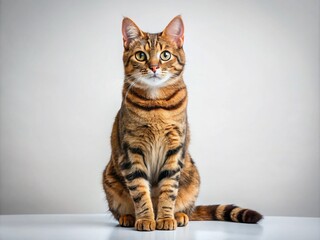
<point>130,31</point>
<point>175,31</point>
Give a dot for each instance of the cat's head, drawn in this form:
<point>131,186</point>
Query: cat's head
<point>153,60</point>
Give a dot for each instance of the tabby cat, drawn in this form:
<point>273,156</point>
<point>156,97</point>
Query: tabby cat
<point>151,181</point>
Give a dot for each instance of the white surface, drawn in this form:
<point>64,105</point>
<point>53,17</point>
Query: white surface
<point>99,226</point>
<point>253,77</point>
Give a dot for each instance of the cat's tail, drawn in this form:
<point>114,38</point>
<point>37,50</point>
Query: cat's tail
<point>225,213</point>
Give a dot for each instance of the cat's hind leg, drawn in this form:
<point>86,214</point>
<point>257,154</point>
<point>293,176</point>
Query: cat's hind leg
<point>127,220</point>
<point>182,219</point>
<point>120,203</point>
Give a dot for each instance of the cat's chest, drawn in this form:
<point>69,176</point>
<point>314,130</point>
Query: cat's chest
<point>156,139</point>
<point>155,159</point>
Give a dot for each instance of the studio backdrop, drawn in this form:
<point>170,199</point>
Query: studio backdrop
<point>253,79</point>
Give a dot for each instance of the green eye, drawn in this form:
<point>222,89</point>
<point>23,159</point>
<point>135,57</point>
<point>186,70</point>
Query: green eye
<point>165,56</point>
<point>141,56</point>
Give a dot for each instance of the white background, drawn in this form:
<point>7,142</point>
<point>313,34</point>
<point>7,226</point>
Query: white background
<point>253,78</point>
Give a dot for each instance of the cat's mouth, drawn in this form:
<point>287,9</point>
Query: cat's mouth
<point>155,77</point>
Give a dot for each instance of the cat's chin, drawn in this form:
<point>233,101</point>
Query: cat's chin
<point>155,81</point>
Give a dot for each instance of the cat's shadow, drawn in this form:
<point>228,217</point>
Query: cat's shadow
<point>213,229</point>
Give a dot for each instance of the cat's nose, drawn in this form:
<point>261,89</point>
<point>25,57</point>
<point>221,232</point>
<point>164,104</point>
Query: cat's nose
<point>154,68</point>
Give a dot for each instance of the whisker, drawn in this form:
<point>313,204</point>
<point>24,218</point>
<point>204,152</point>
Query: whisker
<point>126,95</point>
<point>131,85</point>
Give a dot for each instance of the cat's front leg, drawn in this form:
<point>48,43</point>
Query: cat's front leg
<point>168,183</point>
<point>134,170</point>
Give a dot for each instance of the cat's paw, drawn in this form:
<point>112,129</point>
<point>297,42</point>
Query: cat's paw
<point>126,220</point>
<point>166,224</point>
<point>182,219</point>
<point>145,225</point>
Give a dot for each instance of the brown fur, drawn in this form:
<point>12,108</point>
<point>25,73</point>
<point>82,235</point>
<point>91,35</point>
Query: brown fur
<point>151,181</point>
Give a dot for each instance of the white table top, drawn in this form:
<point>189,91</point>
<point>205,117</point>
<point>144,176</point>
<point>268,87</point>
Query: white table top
<point>103,226</point>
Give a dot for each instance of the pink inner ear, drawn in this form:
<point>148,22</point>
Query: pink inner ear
<point>130,31</point>
<point>175,30</point>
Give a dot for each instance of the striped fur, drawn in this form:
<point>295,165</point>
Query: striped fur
<point>151,181</point>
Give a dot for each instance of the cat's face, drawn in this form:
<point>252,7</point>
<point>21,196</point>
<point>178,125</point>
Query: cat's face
<point>153,60</point>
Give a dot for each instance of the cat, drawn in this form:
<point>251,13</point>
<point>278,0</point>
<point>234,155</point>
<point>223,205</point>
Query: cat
<point>151,181</point>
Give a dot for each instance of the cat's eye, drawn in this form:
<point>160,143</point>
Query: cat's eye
<point>165,56</point>
<point>141,56</point>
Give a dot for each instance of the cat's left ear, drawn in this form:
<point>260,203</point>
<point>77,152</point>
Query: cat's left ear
<point>175,31</point>
<point>130,31</point>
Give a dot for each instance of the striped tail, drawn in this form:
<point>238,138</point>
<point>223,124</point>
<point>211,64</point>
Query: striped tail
<point>225,213</point>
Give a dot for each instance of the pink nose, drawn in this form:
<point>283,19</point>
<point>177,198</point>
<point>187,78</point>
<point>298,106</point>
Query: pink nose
<point>154,68</point>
